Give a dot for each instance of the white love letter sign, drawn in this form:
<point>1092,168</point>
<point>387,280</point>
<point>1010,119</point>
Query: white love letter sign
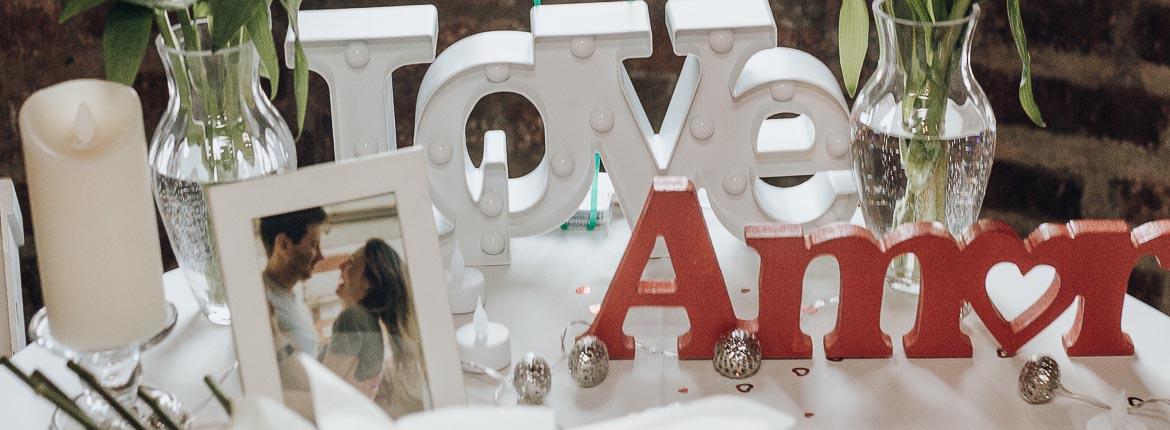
<point>717,129</point>
<point>742,110</point>
<point>355,50</point>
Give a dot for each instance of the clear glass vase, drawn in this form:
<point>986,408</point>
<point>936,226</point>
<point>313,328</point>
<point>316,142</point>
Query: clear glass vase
<point>923,130</point>
<point>219,127</point>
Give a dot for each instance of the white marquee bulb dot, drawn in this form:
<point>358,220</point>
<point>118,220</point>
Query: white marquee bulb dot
<point>722,41</point>
<point>497,72</point>
<point>491,203</point>
<point>582,46</point>
<point>365,146</point>
<point>783,90</point>
<point>357,54</point>
<point>702,127</point>
<point>492,243</point>
<point>601,119</point>
<point>735,181</point>
<point>563,163</point>
<point>837,144</point>
<point>440,151</point>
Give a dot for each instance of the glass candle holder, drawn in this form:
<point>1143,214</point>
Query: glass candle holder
<point>119,371</point>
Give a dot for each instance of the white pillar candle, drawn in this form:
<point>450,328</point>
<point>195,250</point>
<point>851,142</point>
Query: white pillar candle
<point>464,285</point>
<point>484,342</point>
<point>97,239</point>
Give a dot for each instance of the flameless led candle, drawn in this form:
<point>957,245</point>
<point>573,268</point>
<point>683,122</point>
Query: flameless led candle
<point>464,285</point>
<point>484,342</point>
<point>97,242</point>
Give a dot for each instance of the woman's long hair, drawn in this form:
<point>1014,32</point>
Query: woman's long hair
<point>388,297</point>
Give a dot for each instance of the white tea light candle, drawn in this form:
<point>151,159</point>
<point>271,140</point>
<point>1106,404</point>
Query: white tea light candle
<point>97,242</point>
<point>464,285</point>
<point>484,342</point>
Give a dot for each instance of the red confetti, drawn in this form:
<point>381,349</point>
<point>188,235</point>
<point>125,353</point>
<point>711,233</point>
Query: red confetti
<point>800,371</point>
<point>584,289</point>
<point>808,414</point>
<point>810,310</point>
<point>745,290</point>
<point>683,390</point>
<point>594,308</point>
<point>744,388</point>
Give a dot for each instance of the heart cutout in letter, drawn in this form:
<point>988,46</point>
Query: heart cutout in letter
<point>1012,292</point>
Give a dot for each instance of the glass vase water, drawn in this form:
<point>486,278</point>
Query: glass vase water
<point>219,127</point>
<point>923,131</point>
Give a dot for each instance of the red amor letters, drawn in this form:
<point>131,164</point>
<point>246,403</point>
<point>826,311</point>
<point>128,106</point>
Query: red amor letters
<point>1093,260</point>
<point>672,212</point>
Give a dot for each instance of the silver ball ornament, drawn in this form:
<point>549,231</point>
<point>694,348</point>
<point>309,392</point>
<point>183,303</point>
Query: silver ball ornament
<point>532,379</point>
<point>1039,379</point>
<point>737,354</point>
<point>588,361</point>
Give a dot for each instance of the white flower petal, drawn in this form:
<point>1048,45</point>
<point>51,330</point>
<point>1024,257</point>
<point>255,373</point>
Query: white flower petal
<point>339,406</point>
<point>260,413</point>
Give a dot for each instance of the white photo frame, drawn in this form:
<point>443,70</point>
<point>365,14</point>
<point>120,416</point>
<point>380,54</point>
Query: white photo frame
<point>234,209</point>
<point>12,331</point>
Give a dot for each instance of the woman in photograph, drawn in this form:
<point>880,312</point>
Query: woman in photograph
<point>377,314</point>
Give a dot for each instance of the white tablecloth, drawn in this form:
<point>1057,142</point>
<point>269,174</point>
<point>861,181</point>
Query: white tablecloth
<point>536,296</point>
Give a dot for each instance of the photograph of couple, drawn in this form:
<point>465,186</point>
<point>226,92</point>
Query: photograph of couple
<point>338,290</point>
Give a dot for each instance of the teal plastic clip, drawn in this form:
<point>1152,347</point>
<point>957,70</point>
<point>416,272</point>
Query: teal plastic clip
<point>592,195</point>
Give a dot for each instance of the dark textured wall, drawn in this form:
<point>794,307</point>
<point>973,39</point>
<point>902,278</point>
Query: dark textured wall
<point>1102,79</point>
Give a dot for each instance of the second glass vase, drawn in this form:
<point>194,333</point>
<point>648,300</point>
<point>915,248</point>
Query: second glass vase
<point>219,127</point>
<point>923,130</point>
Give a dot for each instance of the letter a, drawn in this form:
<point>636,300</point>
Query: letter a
<point>672,212</point>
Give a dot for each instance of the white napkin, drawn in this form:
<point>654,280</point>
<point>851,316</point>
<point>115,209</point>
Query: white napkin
<point>339,406</point>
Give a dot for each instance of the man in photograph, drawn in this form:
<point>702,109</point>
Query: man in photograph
<point>292,242</point>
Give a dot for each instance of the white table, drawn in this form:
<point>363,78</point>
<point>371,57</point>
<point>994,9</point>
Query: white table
<point>535,297</point>
<point>195,348</point>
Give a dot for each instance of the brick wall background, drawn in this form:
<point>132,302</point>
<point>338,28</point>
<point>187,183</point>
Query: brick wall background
<point>1102,71</point>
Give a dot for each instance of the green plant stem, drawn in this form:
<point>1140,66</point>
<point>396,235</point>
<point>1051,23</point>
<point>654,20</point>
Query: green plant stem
<point>45,387</point>
<point>41,382</point>
<point>190,34</point>
<point>960,9</point>
<point>167,32</point>
<point>928,56</point>
<point>7,363</point>
<point>158,410</point>
<point>218,393</point>
<point>212,103</point>
<point>96,386</point>
<point>51,392</point>
<point>163,21</point>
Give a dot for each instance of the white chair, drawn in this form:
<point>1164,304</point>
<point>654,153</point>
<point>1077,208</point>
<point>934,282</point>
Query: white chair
<point>12,333</point>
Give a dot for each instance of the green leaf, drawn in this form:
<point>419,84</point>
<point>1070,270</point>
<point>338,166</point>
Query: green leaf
<point>124,42</point>
<point>1027,100</point>
<point>230,16</point>
<point>921,13</point>
<point>201,9</point>
<point>853,34</point>
<point>261,34</point>
<point>70,8</point>
<point>301,85</point>
<point>291,6</point>
<point>300,64</point>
